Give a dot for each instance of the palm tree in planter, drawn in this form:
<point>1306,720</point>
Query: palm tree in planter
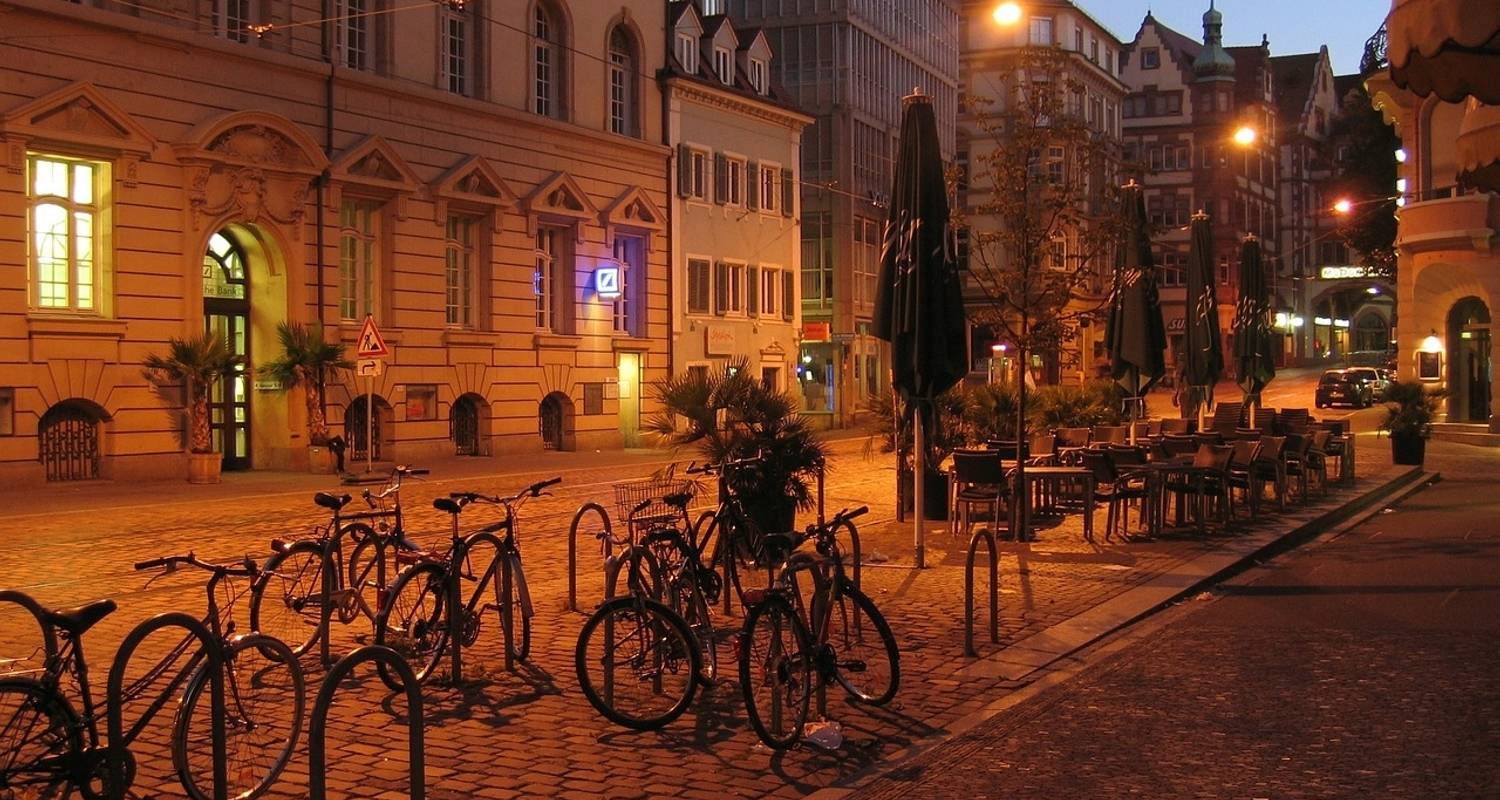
<point>732,415</point>
<point>308,360</point>
<point>1409,410</point>
<point>195,363</point>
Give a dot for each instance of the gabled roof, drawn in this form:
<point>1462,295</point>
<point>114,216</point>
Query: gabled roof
<point>1295,78</point>
<point>677,9</point>
<point>1181,49</point>
<point>713,22</point>
<point>1344,84</point>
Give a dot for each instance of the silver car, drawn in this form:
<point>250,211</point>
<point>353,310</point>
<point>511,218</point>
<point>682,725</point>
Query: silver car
<point>1371,377</point>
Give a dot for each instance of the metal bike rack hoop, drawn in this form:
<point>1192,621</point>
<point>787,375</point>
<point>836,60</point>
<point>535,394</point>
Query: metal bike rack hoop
<point>317,733</point>
<point>983,535</point>
<point>583,511</point>
<point>214,661</point>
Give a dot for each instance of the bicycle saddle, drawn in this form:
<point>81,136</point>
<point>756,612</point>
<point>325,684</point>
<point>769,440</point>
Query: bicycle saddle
<point>77,620</point>
<point>678,499</point>
<point>330,501</point>
<point>778,545</point>
<point>447,504</point>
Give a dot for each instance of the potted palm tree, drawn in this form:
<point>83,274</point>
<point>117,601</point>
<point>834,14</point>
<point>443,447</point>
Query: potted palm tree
<point>732,415</point>
<point>308,360</point>
<point>195,364</point>
<point>1409,410</point>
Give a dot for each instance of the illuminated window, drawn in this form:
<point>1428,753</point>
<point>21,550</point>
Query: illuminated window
<point>359,258</point>
<point>65,208</point>
<point>460,273</point>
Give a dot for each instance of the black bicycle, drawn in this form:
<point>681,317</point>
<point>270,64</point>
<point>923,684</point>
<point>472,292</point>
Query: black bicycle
<point>810,628</point>
<point>49,749</point>
<point>306,585</point>
<point>417,620</point>
<point>733,542</point>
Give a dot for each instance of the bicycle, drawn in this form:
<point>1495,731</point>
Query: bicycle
<point>738,544</point>
<point>836,635</point>
<point>49,749</point>
<point>305,585</point>
<point>415,619</point>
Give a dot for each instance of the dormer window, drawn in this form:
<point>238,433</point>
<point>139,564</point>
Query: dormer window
<point>724,65</point>
<point>1150,58</point>
<point>758,75</point>
<point>687,52</point>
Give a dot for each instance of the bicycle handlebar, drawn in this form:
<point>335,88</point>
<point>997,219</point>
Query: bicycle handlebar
<point>534,490</point>
<point>402,470</point>
<point>246,569</point>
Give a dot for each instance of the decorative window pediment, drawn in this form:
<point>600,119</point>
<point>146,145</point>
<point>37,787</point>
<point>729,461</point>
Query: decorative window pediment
<point>252,166</point>
<point>560,198</point>
<point>634,211</point>
<point>373,165</point>
<point>79,118</point>
<point>474,183</point>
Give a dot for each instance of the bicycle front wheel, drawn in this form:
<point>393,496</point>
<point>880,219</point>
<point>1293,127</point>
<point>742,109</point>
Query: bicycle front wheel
<point>637,663</point>
<point>286,600</point>
<point>39,735</point>
<point>264,700</point>
<point>414,622</point>
<point>776,672</point>
<point>868,665</point>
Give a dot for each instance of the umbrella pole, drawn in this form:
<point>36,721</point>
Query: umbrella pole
<point>1202,407</point>
<point>919,474</point>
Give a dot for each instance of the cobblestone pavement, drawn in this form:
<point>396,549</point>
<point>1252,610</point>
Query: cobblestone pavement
<point>1363,667</point>
<point>531,733</point>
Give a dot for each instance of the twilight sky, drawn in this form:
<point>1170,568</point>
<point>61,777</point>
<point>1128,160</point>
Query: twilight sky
<point>1295,26</point>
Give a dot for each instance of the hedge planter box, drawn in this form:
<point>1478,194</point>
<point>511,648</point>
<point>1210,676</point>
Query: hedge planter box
<point>319,460</point>
<point>1408,449</point>
<point>204,467</point>
<point>934,496</point>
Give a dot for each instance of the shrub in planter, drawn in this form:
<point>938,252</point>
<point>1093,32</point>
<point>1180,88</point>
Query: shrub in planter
<point>308,360</point>
<point>1409,411</point>
<point>1067,406</point>
<point>733,415</point>
<point>194,364</point>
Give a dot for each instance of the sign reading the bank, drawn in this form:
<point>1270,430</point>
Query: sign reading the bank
<point>371,344</point>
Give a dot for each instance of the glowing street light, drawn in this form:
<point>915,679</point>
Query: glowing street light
<point>1343,206</point>
<point>1008,13</point>
<point>1245,136</point>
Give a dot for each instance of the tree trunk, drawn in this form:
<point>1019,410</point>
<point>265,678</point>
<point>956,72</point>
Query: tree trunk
<point>199,440</point>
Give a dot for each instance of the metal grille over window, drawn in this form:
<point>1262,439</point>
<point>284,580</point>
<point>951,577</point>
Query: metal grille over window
<point>68,443</point>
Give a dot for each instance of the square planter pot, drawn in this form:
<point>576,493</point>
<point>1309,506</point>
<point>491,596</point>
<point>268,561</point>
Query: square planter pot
<point>204,467</point>
<point>319,460</point>
<point>935,496</point>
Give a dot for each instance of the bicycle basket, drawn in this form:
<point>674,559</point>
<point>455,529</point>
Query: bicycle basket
<point>629,494</point>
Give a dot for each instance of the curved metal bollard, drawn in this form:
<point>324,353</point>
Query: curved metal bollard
<point>983,535</point>
<point>317,772</point>
<point>49,636</point>
<point>116,752</point>
<point>578,518</point>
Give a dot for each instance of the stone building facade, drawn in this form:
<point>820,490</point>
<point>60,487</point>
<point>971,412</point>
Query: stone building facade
<point>736,259</point>
<point>169,165</point>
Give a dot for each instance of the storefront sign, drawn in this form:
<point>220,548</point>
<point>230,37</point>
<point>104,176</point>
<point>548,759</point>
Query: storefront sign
<point>817,331</point>
<point>1341,273</point>
<point>607,281</point>
<point>718,341</point>
<point>1176,325</point>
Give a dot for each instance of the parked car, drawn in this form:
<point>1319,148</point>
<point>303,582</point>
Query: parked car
<point>1372,378</point>
<point>1338,387</point>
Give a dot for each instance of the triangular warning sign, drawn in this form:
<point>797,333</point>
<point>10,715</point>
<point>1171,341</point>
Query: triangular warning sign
<point>371,343</point>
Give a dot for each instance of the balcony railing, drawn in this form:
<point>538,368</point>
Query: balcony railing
<point>1374,59</point>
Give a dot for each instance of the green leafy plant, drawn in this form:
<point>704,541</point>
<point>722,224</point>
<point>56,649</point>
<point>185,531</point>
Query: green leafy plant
<point>894,433</point>
<point>307,360</point>
<point>732,415</point>
<point>195,364</point>
<point>1410,409</point>
<point>1093,403</point>
<point>990,412</point>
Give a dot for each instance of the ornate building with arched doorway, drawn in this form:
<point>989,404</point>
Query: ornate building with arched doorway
<point>468,211</point>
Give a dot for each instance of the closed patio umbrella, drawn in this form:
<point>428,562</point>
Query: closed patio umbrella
<point>1136,338</point>
<point>919,305</point>
<point>1256,362</point>
<point>1203,353</point>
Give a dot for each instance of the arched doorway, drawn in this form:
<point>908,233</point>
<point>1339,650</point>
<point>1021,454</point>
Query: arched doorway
<point>68,441</point>
<point>555,421</point>
<point>466,425</point>
<point>226,311</point>
<point>1372,332</point>
<point>1469,368</point>
<point>378,429</point>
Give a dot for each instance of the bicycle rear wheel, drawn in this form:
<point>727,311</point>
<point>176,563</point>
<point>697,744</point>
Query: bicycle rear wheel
<point>637,663</point>
<point>264,700</point>
<point>776,672</point>
<point>39,737</point>
<point>869,666</point>
<point>414,622</point>
<point>684,594</point>
<point>286,600</point>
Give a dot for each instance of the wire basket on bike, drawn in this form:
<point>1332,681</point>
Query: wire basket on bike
<point>630,494</point>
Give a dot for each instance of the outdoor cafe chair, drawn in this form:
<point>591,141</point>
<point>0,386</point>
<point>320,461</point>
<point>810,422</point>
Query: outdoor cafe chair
<point>1043,450</point>
<point>1240,434</point>
<point>1265,420</point>
<point>1170,425</point>
<point>1339,446</point>
<point>1270,467</point>
<point>1295,458</point>
<point>1317,458</point>
<point>1241,476</point>
<point>1292,420</point>
<point>1206,481</point>
<point>1117,490</point>
<point>1006,448</point>
<point>1178,445</point>
<point>1069,442</point>
<point>1214,437</point>
<point>979,480</point>
<point>1227,416</point>
<point>1110,434</point>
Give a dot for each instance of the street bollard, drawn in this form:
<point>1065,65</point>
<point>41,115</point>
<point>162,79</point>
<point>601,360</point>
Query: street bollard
<point>605,532</point>
<point>983,535</point>
<point>317,732</point>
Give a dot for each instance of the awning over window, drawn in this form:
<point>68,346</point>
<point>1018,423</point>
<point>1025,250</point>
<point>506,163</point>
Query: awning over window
<point>1478,146</point>
<point>1450,48</point>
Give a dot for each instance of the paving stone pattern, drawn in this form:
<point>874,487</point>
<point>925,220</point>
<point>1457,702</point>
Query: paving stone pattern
<point>531,733</point>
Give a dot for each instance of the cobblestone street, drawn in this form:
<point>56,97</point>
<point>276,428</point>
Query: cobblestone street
<point>531,733</point>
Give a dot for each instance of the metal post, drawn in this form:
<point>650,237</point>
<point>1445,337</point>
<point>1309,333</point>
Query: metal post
<point>507,611</point>
<point>919,478</point>
<point>989,540</point>
<point>317,777</point>
<point>607,537</point>
<point>369,423</point>
<point>456,615</point>
<point>325,614</point>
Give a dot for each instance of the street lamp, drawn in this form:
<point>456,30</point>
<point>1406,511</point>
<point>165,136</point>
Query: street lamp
<point>1343,206</point>
<point>1245,136</point>
<point>1007,13</point>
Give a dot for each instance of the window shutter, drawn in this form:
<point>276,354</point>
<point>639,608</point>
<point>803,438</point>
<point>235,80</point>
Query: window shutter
<point>752,293</point>
<point>721,179</point>
<point>752,185</point>
<point>721,288</point>
<point>788,192</point>
<point>788,293</point>
<point>684,171</point>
